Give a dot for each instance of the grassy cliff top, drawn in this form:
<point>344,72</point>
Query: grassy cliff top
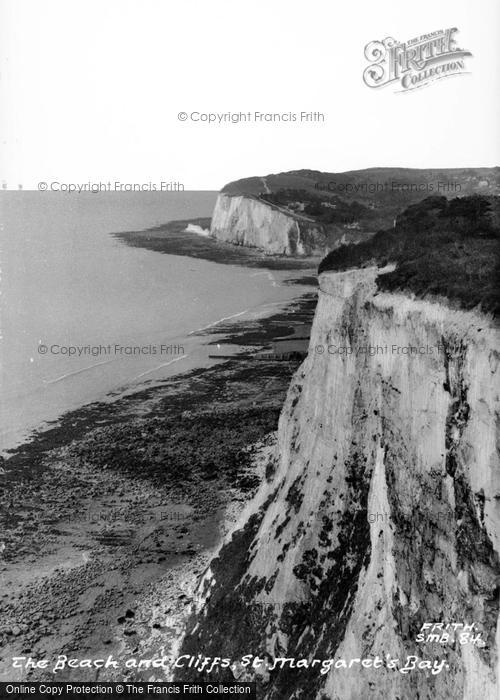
<point>410,184</point>
<point>369,199</point>
<point>441,247</point>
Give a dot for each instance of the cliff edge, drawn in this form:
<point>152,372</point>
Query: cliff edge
<point>248,221</point>
<point>380,513</point>
<point>308,213</point>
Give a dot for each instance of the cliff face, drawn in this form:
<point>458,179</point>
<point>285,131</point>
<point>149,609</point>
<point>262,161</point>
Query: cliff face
<point>250,222</point>
<point>382,514</point>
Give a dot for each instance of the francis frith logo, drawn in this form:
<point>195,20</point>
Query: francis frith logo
<point>414,63</point>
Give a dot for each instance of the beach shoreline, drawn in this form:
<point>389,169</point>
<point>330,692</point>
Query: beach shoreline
<point>155,302</point>
<point>177,238</point>
<point>119,507</point>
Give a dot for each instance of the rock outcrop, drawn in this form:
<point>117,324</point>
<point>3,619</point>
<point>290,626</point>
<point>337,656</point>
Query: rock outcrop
<point>381,512</point>
<point>249,221</point>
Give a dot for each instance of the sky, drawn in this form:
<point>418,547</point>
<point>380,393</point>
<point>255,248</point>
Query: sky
<point>91,91</point>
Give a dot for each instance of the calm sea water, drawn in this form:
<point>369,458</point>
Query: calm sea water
<point>66,282</point>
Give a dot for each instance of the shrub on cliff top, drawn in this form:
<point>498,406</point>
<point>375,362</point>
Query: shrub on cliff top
<point>440,247</point>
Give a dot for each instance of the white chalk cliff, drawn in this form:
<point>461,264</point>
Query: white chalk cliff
<point>383,511</point>
<point>248,221</point>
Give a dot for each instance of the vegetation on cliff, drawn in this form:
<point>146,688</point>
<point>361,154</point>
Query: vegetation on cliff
<point>324,209</point>
<point>440,247</point>
<point>383,192</point>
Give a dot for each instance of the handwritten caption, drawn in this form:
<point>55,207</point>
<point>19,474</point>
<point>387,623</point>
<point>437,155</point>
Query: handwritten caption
<point>430,632</point>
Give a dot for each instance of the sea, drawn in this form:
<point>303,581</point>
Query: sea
<point>85,317</point>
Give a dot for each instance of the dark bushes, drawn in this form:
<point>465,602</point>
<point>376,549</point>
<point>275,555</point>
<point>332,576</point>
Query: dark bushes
<point>440,247</point>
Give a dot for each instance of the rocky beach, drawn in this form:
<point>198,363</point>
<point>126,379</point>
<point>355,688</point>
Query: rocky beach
<point>110,517</point>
